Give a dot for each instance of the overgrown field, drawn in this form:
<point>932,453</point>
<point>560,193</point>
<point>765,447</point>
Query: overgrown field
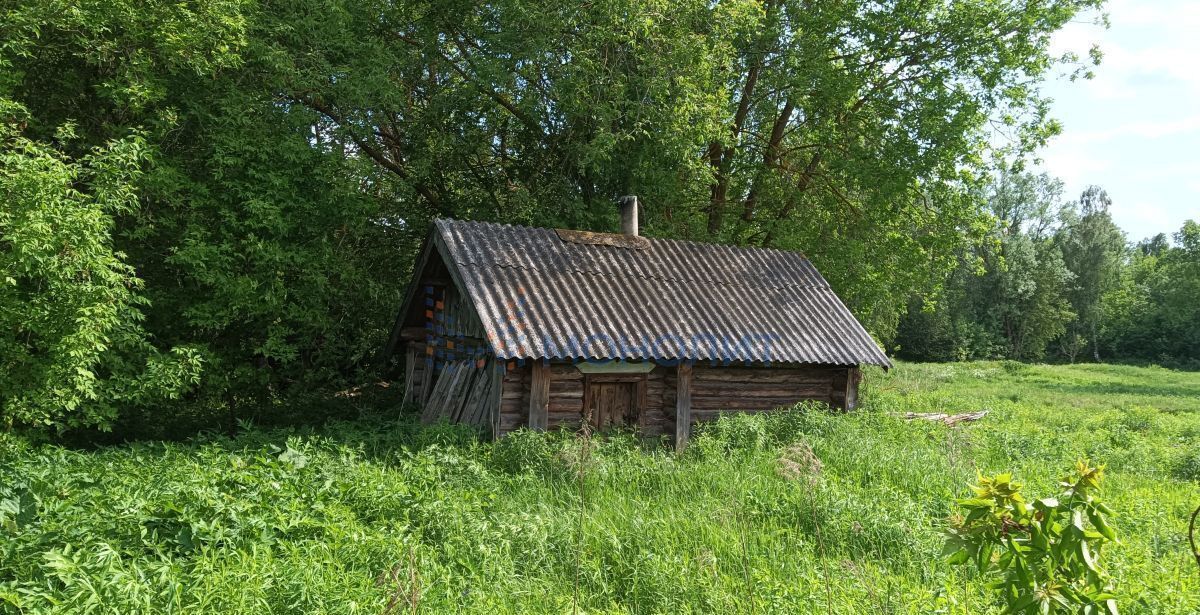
<point>801,512</point>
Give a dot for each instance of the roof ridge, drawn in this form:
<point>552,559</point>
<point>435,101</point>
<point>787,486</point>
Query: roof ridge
<point>692,242</point>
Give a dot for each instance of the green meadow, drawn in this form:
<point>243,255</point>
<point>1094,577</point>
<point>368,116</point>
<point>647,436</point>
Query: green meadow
<point>795,512</point>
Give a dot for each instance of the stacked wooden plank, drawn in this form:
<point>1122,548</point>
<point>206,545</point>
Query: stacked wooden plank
<point>416,375</point>
<point>658,417</point>
<point>466,391</point>
<point>566,397</point>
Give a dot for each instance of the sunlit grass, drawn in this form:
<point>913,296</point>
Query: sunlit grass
<point>382,515</point>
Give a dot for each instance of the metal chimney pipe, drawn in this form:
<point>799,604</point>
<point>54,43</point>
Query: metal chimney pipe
<point>629,215</point>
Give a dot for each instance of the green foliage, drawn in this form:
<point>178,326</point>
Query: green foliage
<point>70,305</point>
<point>791,512</point>
<point>292,154</point>
<point>1057,281</point>
<point>263,261</point>
<point>1187,466</point>
<point>1093,247</point>
<point>1153,314</point>
<point>1046,553</point>
<point>1008,296</point>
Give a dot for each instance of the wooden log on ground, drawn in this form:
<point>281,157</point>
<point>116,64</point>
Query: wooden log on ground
<point>948,419</point>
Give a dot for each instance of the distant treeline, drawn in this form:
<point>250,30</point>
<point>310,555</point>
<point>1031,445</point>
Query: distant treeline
<point>1060,282</point>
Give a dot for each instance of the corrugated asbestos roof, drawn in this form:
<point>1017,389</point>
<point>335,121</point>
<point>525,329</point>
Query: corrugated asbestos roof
<point>542,297</point>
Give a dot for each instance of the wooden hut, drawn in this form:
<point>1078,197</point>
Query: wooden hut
<point>508,326</point>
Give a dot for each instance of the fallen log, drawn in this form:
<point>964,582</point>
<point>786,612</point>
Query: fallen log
<point>948,419</point>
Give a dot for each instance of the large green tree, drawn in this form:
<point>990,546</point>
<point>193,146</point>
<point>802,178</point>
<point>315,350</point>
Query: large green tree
<point>1092,247</point>
<point>1008,296</point>
<point>73,348</point>
<point>233,234</point>
<point>844,129</point>
<point>1152,313</point>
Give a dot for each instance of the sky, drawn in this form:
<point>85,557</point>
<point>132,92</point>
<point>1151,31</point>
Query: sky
<point>1134,129</point>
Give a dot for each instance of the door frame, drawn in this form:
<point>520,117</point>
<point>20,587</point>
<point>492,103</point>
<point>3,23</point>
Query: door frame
<point>639,397</point>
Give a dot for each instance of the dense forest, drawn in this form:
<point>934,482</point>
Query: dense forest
<point>211,207</point>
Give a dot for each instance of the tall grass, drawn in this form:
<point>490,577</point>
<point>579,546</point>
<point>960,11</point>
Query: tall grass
<point>795,512</point>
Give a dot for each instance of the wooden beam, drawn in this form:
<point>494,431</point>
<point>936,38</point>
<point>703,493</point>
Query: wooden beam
<point>853,377</point>
<point>495,400</point>
<point>615,367</point>
<point>539,396</point>
<point>683,406</point>
<point>421,334</point>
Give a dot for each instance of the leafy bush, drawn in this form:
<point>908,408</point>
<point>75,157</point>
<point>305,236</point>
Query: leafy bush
<point>1046,554</point>
<point>73,348</point>
<point>1187,466</point>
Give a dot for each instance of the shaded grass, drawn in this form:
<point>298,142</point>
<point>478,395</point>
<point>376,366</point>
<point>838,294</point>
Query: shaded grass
<point>381,514</point>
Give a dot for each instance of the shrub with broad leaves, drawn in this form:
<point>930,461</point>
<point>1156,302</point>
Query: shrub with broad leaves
<point>1045,554</point>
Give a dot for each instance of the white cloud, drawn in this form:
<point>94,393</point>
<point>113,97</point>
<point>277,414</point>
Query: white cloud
<point>1140,129</point>
<point>1133,128</point>
<point>1148,40</point>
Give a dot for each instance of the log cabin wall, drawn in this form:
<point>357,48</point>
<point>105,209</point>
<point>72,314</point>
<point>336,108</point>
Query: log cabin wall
<point>565,406</point>
<point>757,389</point>
<point>715,389</point>
<point>514,397</point>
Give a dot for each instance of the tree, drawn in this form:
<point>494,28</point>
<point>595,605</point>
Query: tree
<point>1007,297</point>
<point>1022,291</point>
<point>70,304</point>
<point>259,247</point>
<point>1153,312</point>
<point>1154,246</point>
<point>847,130</point>
<point>1092,246</point>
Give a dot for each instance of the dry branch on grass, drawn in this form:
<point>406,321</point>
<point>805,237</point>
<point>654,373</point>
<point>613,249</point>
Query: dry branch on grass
<point>949,419</point>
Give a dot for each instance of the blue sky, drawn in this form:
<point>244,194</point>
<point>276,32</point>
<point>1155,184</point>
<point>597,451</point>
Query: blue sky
<point>1135,128</point>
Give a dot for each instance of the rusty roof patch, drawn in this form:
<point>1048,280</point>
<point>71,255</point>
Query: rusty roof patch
<point>591,238</point>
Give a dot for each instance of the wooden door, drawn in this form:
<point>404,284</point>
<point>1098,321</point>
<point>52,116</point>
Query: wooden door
<point>613,404</point>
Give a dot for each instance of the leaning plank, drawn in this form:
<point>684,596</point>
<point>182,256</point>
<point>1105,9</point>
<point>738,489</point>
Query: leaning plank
<point>454,396</point>
<point>461,396</point>
<point>683,406</point>
<point>443,391</point>
<point>466,391</point>
<point>437,396</point>
<point>409,364</point>
<point>429,409</point>
<point>539,396</point>
<point>475,412</point>
<point>466,414</point>
<point>489,402</point>
<point>494,402</point>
